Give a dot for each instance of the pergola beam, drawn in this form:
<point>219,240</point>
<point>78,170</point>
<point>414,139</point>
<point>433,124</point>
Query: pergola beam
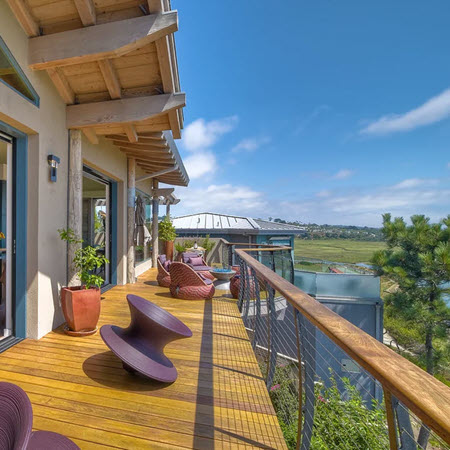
<point>23,15</point>
<point>97,42</point>
<point>123,110</point>
<point>86,11</point>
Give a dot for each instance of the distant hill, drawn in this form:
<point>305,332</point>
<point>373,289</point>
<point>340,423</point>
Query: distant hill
<point>315,231</point>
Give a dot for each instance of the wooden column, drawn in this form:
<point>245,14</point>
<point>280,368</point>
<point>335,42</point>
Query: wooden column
<point>155,211</point>
<point>130,218</point>
<point>74,221</point>
<point>168,211</point>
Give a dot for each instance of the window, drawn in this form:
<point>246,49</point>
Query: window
<point>12,75</point>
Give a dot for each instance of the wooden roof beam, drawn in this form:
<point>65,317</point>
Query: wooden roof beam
<point>109,40</point>
<point>23,15</point>
<point>91,135</point>
<point>146,147</point>
<point>168,68</point>
<point>86,11</point>
<point>123,110</point>
<point>130,132</point>
<point>110,76</point>
<point>62,85</point>
<point>159,173</point>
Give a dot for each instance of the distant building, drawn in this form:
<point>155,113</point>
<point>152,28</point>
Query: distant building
<point>237,229</point>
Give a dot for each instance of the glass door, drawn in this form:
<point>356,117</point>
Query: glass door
<point>6,235</point>
<point>96,226</point>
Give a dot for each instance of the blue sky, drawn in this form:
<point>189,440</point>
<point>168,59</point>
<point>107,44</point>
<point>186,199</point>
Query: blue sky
<point>319,111</point>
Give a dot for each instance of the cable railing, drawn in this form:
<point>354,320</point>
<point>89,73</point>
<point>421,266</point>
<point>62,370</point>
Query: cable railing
<point>332,385</point>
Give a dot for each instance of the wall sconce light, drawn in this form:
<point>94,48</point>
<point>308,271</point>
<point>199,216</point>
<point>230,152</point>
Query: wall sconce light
<point>53,162</point>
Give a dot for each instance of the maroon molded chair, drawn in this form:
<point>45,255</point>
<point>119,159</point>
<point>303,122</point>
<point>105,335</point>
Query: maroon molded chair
<point>202,268</point>
<point>16,422</point>
<point>235,283</point>
<point>141,345</point>
<point>187,284</point>
<point>163,276</point>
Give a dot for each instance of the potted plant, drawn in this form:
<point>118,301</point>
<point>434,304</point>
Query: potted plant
<point>81,304</point>
<point>167,234</point>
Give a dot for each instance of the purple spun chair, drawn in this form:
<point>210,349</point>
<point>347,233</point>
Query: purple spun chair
<point>16,417</point>
<point>141,345</point>
<point>16,421</point>
<point>45,440</point>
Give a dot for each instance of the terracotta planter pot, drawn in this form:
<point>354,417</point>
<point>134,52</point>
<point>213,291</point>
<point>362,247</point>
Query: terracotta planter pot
<point>81,308</point>
<point>169,250</point>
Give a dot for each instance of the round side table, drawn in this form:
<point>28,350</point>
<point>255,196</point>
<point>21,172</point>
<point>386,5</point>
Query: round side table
<point>223,277</point>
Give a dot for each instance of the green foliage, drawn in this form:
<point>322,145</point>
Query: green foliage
<point>342,419</point>
<point>207,244</point>
<point>166,230</point>
<point>180,247</point>
<point>86,260</point>
<point>417,258</point>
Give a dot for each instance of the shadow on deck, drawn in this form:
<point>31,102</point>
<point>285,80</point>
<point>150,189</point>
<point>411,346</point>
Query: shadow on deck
<point>78,388</point>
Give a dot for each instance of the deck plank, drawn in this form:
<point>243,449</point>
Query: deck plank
<point>77,386</point>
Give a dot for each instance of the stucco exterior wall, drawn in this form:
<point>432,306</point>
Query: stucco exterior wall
<point>47,201</point>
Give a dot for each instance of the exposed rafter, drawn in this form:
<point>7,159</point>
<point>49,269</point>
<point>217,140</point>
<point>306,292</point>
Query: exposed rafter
<point>159,173</point>
<point>62,85</point>
<point>110,76</point>
<point>99,41</point>
<point>91,135</point>
<point>86,10</point>
<point>140,146</point>
<point>122,111</point>
<point>23,15</point>
<point>130,132</point>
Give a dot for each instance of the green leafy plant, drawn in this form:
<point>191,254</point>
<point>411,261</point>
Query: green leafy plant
<point>86,260</point>
<point>207,244</point>
<point>342,418</point>
<point>166,231</point>
<point>180,247</point>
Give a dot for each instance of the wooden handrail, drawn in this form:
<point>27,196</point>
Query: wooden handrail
<point>423,394</point>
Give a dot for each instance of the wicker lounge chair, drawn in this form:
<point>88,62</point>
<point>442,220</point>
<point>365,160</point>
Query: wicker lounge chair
<point>141,345</point>
<point>163,276</point>
<point>235,283</point>
<point>203,268</point>
<point>16,422</point>
<point>188,284</point>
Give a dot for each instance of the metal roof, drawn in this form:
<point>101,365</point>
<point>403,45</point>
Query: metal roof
<point>224,222</point>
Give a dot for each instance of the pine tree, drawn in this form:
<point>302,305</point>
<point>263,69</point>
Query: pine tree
<point>417,258</point>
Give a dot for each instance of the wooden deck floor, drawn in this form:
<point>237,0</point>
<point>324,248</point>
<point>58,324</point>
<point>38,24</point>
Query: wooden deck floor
<point>78,388</point>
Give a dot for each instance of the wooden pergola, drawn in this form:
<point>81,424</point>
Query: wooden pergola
<point>114,64</point>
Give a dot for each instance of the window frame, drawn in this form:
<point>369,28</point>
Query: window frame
<point>36,101</point>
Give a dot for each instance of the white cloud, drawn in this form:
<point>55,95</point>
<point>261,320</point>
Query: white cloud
<point>250,144</point>
<point>200,135</point>
<point>200,164</point>
<point>224,198</point>
<point>415,182</point>
<point>433,110</point>
<point>365,207</point>
<point>343,174</point>
<point>324,193</point>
